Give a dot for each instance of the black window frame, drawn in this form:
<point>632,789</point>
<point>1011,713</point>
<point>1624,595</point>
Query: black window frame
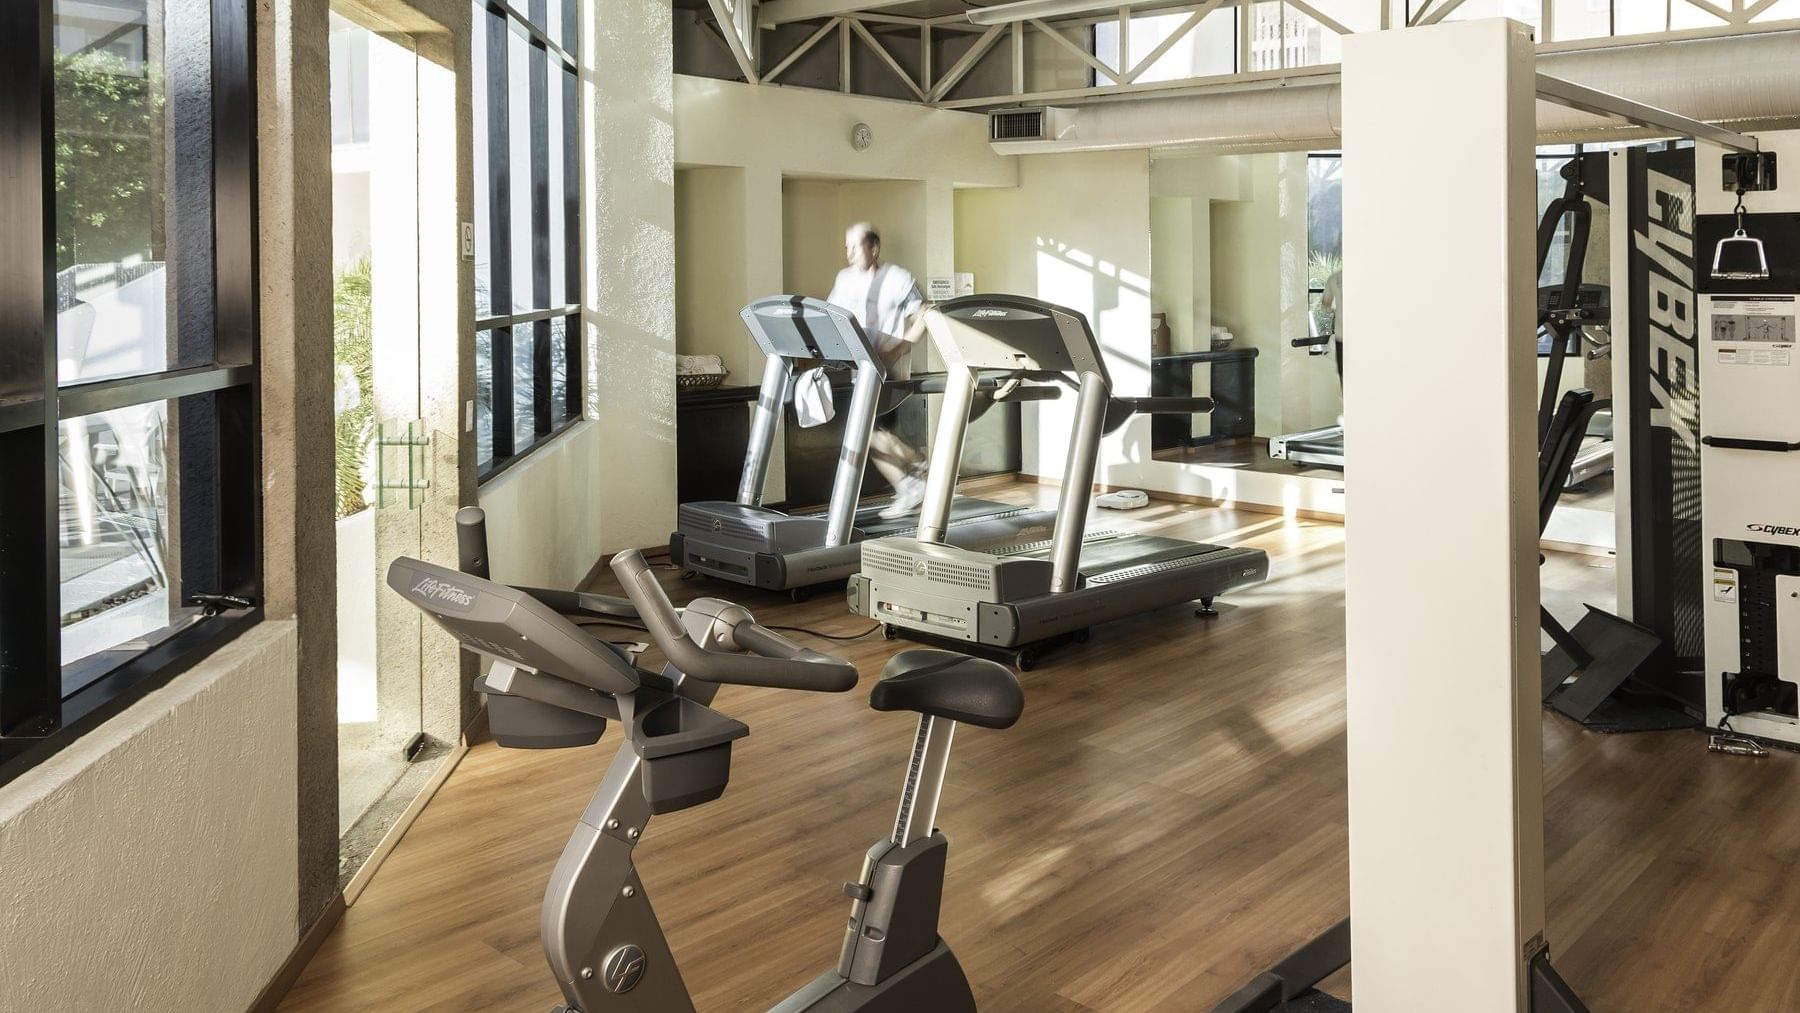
<point>548,59</point>
<point>220,502</point>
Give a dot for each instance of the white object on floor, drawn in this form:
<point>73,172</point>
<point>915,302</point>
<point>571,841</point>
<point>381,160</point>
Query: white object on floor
<point>1123,499</point>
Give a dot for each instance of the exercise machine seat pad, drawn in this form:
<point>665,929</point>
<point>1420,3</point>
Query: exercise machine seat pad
<point>946,684</point>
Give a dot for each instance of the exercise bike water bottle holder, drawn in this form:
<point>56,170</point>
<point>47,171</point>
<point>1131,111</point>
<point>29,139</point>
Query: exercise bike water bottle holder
<point>685,747</point>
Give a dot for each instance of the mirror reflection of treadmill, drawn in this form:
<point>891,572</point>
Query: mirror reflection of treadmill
<point>1322,447</point>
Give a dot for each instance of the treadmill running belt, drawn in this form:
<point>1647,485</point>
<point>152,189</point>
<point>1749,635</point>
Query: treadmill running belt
<point>1111,552</point>
<point>962,508</point>
<point>870,522</point>
<point>1328,444</point>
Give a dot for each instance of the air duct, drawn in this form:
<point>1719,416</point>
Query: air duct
<point>1744,82</point>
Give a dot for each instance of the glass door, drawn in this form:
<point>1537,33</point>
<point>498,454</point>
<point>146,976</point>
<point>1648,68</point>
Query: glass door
<point>382,445</point>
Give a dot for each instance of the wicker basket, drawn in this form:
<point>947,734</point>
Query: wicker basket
<point>699,372</point>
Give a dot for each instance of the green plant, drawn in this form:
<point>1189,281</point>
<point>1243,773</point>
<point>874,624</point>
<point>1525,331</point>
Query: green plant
<point>107,119</point>
<point>354,361</point>
<point>1320,266</point>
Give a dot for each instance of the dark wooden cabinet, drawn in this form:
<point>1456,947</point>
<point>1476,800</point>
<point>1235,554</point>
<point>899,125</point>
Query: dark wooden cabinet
<point>1233,390</point>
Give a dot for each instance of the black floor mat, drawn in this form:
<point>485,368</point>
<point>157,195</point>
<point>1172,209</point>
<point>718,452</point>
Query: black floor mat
<point>1314,1001</point>
<point>1628,711</point>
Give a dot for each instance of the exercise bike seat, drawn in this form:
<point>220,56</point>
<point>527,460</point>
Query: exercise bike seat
<point>946,684</point>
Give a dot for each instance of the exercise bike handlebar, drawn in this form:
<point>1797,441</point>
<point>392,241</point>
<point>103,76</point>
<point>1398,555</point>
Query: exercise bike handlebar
<point>773,661</point>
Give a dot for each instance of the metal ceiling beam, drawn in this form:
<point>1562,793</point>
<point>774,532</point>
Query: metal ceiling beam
<point>732,22</point>
<point>1600,103</point>
<point>801,50</point>
<point>770,13</point>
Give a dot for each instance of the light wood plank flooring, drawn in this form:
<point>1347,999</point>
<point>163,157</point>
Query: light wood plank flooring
<point>1168,818</point>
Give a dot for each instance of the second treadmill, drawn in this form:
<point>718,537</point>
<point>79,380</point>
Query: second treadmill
<point>1021,599</point>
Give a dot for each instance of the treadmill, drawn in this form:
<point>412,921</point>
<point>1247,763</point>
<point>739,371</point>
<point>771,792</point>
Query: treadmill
<point>1019,600</point>
<point>747,543</point>
<point>1323,446</point>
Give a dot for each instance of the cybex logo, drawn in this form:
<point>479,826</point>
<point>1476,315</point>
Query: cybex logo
<point>437,590</point>
<point>1775,529</point>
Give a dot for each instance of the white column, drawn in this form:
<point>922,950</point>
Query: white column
<point>629,115</point>
<point>1446,821</point>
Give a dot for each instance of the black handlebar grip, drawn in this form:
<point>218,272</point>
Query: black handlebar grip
<point>471,541</point>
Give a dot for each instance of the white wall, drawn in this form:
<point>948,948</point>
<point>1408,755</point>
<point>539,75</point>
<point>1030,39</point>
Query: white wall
<point>151,865</point>
<point>816,212</point>
<point>1173,273</point>
<point>544,513</point>
<point>812,235</point>
<point>1093,254</point>
<point>710,270</point>
<point>796,130</point>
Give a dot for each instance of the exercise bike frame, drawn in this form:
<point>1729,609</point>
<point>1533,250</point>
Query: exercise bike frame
<point>607,948</point>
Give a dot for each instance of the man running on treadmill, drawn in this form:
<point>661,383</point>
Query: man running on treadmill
<point>1333,302</point>
<point>885,300</point>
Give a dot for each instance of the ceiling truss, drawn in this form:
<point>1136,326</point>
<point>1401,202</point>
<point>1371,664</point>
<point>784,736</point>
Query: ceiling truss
<point>867,30</point>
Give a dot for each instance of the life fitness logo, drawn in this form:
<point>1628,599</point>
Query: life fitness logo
<point>623,969</point>
<point>990,313</point>
<point>1774,529</point>
<point>439,591</point>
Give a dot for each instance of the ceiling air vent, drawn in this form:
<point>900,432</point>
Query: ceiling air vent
<point>1029,123</point>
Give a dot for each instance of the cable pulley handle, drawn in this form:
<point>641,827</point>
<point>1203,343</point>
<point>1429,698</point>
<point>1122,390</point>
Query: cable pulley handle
<point>776,662</point>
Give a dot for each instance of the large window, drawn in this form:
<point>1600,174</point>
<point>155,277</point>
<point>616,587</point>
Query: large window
<point>527,226</point>
<point>128,400</point>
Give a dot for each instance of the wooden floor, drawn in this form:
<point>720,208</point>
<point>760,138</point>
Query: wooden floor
<point>1168,818</point>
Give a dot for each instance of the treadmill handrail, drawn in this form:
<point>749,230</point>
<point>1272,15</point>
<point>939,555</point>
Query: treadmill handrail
<point>1164,405</point>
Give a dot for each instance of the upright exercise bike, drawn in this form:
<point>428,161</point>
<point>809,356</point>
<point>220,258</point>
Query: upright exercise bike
<point>554,685</point>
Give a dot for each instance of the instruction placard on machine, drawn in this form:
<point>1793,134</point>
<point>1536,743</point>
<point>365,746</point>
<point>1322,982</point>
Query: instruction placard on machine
<point>1757,330</point>
<point>1725,585</point>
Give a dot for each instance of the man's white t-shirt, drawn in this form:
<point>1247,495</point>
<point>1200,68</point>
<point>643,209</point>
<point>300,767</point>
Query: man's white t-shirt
<point>881,300</point>
<point>1333,300</point>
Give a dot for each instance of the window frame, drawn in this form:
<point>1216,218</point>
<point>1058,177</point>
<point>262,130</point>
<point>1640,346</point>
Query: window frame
<point>559,64</point>
<point>1311,289</point>
<point>37,717</point>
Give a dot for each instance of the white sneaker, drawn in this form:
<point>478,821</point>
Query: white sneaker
<point>907,497</point>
